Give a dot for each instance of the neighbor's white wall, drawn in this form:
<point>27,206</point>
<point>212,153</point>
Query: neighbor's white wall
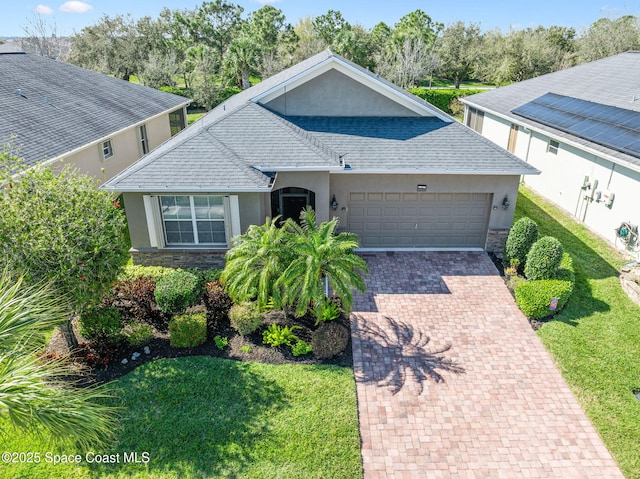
<point>563,175</point>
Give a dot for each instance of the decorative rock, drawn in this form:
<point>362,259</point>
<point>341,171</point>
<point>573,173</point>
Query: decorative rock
<point>147,350</point>
<point>135,356</point>
<point>125,361</point>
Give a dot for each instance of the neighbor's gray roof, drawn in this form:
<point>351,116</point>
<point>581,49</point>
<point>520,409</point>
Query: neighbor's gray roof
<point>613,81</point>
<point>240,144</point>
<point>54,108</point>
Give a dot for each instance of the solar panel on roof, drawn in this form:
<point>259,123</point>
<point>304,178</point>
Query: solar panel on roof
<point>610,126</point>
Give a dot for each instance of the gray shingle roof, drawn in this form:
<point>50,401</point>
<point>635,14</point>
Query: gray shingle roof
<point>64,107</point>
<point>410,143</point>
<point>240,144</point>
<point>611,81</point>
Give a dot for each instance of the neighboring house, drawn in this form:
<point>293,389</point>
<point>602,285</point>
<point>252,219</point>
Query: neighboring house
<point>59,112</point>
<point>581,128</point>
<point>326,133</point>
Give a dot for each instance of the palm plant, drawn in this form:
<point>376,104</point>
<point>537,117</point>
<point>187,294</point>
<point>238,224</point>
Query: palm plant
<point>34,394</point>
<point>255,262</point>
<point>321,259</point>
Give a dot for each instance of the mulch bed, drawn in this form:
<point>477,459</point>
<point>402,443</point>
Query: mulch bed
<point>159,348</point>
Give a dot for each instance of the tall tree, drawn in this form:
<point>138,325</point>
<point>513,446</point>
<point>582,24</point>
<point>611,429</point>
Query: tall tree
<point>610,36</point>
<point>328,26</point>
<point>458,49</point>
<point>41,38</point>
<point>60,228</point>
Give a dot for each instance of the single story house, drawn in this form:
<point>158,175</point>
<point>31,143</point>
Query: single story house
<point>52,112</point>
<point>326,133</point>
<point>581,128</point>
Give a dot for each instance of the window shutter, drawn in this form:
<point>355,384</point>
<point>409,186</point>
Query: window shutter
<point>234,206</point>
<point>150,211</point>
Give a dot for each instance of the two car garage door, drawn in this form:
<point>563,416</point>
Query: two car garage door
<point>419,220</point>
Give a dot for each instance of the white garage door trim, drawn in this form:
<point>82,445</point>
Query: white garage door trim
<point>425,221</point>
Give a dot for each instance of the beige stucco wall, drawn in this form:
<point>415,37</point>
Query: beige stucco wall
<point>563,176</point>
<point>126,150</point>
<point>499,186</point>
<point>335,94</point>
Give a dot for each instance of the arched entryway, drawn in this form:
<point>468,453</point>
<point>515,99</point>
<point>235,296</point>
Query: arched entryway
<point>289,202</point>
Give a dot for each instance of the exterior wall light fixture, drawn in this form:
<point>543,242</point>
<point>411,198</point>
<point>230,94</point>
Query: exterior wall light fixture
<point>505,202</point>
<point>334,203</point>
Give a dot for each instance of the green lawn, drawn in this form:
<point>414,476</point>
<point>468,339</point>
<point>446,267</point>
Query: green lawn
<point>595,341</point>
<point>203,417</point>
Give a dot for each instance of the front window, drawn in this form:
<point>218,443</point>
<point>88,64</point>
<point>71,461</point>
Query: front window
<point>194,220</point>
<point>553,147</point>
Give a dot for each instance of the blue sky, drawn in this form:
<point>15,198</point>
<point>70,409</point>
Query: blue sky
<point>71,16</point>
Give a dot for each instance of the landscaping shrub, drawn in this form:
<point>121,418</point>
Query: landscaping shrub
<point>300,348</point>
<point>134,298</point>
<point>188,330</point>
<point>329,312</point>
<point>522,236</point>
<point>534,297</point>
<point>177,291</point>
<point>329,340</point>
<point>218,304</point>
<point>133,271</point>
<point>245,317</point>
<point>276,335</point>
<point>442,97</point>
<point>100,322</point>
<point>138,334</point>
<point>207,275</point>
<point>543,259</point>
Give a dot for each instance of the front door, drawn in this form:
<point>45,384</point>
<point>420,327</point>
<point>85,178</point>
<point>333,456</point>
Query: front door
<point>289,202</point>
<point>292,205</point>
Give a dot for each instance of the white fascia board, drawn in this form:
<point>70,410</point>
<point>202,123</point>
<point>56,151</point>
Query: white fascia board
<point>524,124</point>
<point>416,171</point>
<point>405,100</point>
<point>196,190</point>
<point>293,169</point>
<point>111,135</point>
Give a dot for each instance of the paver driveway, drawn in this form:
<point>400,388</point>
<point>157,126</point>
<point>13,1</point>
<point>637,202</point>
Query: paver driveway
<point>453,383</point>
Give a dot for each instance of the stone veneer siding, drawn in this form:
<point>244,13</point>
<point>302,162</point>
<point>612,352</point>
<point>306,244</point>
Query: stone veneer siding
<point>179,258</point>
<point>496,240</point>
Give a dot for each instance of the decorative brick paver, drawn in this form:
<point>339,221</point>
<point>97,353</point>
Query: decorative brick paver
<point>453,383</point>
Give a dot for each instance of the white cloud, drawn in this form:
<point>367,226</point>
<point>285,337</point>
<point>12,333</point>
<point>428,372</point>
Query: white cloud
<point>74,6</point>
<point>43,10</point>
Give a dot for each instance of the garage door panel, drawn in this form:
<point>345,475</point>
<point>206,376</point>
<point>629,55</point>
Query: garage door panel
<point>419,219</point>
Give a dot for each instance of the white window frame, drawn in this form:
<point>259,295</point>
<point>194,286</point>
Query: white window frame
<point>553,146</point>
<point>194,223</point>
<point>106,148</point>
<point>143,140</point>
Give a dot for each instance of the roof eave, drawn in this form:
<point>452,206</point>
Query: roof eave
<point>185,189</point>
<point>435,171</point>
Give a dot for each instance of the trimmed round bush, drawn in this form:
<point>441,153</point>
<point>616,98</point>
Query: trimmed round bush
<point>188,330</point>
<point>534,297</point>
<point>522,236</point>
<point>100,322</point>
<point>329,340</point>
<point>245,317</point>
<point>177,291</point>
<point>543,259</point>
